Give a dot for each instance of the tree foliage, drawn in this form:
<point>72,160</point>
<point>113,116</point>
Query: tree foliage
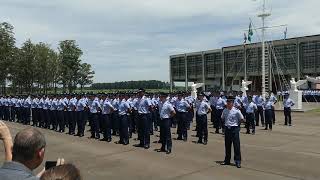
<point>37,68</point>
<point>152,84</point>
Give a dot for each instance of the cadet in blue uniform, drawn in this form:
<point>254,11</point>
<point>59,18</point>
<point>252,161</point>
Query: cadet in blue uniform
<point>232,118</point>
<point>260,103</point>
<point>60,113</point>
<point>72,114</point>
<point>124,112</point>
<point>143,106</point>
<point>274,99</point>
<point>287,104</point>
<point>95,108</point>
<point>166,112</point>
<point>268,113</point>
<point>220,105</point>
<point>182,107</point>
<point>54,106</point>
<point>203,108</point>
<point>107,110</point>
<point>115,115</point>
<point>251,108</point>
<point>80,110</point>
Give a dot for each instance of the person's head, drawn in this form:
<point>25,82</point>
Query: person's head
<point>200,96</point>
<point>180,95</point>
<point>230,102</point>
<point>29,148</point>
<point>63,172</point>
<point>141,92</point>
<point>163,97</point>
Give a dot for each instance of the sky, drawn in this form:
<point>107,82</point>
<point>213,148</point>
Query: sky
<point>133,39</point>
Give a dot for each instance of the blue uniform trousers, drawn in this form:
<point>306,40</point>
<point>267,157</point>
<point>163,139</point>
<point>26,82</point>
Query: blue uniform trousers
<point>203,128</point>
<point>106,126</point>
<point>182,125</point>
<point>165,134</point>
<point>124,129</point>
<point>232,137</point>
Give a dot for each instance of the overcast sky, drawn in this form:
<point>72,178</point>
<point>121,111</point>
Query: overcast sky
<point>133,39</point>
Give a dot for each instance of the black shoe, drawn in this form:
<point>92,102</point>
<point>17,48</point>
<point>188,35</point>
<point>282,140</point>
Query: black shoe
<point>247,132</point>
<point>205,142</point>
<point>147,146</point>
<point>162,150</point>
<point>217,132</point>
<point>138,145</point>
<point>109,140</point>
<point>225,163</point>
<point>265,128</point>
<point>290,125</point>
<point>119,142</point>
<point>168,151</point>
<point>238,165</point>
<point>179,138</point>
<point>125,143</point>
<point>77,134</point>
<point>199,142</point>
<point>253,133</point>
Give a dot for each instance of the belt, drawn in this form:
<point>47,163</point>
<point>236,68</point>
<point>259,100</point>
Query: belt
<point>232,127</point>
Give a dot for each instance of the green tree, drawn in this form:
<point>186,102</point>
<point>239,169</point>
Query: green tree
<point>7,48</point>
<point>85,75</point>
<point>70,54</point>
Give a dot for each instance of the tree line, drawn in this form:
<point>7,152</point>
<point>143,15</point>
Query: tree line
<point>37,68</point>
<point>152,84</point>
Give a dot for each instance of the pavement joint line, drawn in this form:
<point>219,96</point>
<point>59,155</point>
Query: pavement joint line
<point>192,172</point>
<point>274,173</point>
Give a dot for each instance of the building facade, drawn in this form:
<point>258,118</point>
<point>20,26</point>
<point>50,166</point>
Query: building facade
<point>224,69</point>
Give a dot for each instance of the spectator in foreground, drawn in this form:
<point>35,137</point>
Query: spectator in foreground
<point>27,154</point>
<point>63,172</point>
<point>5,136</point>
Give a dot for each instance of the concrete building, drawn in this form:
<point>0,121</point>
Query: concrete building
<point>223,69</point>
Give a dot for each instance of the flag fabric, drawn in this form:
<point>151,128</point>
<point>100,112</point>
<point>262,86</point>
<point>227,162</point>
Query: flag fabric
<point>285,33</point>
<point>245,38</point>
<point>250,32</point>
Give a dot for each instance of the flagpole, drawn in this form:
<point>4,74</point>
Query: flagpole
<point>263,16</point>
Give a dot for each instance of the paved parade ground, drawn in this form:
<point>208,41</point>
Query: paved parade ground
<point>283,154</point>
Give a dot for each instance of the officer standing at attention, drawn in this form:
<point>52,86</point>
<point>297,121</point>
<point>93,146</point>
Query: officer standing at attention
<point>203,108</point>
<point>287,104</point>
<point>274,100</point>
<point>260,103</point>
<point>268,113</point>
<point>80,107</point>
<point>124,112</point>
<point>220,105</point>
<point>232,118</point>
<point>182,107</point>
<point>250,116</point>
<point>95,108</point>
<point>60,114</point>
<point>107,118</point>
<point>166,111</point>
<point>143,106</point>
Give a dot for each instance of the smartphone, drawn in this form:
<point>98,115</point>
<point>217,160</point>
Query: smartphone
<point>50,164</point>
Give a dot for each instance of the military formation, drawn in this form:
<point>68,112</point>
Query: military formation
<point>120,115</point>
